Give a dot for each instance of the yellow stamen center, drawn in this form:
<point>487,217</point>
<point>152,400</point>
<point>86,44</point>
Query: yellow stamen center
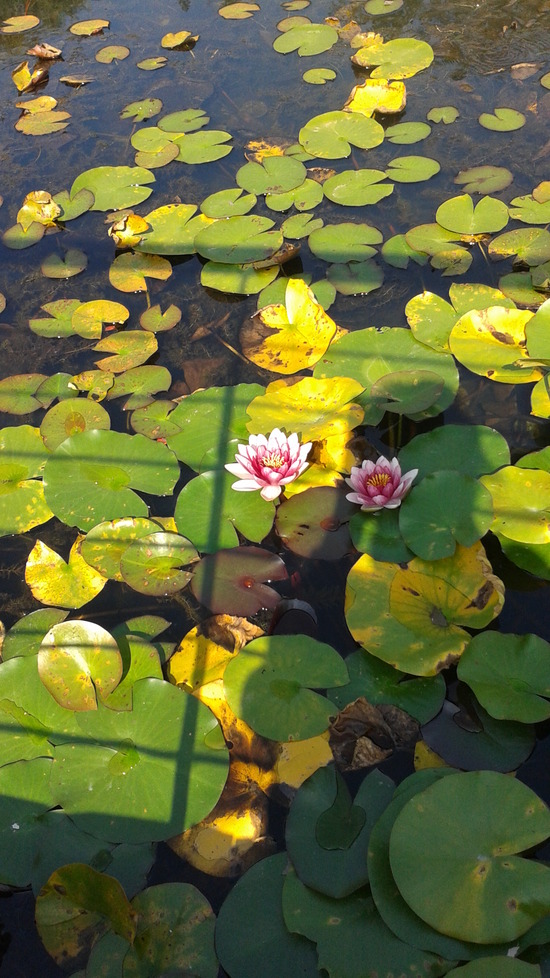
<point>273,460</point>
<point>378,479</point>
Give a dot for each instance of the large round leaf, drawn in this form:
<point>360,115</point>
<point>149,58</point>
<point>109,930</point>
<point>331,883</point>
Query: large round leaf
<point>251,936</point>
<point>22,502</point>
<point>143,774</point>
<point>491,342</point>
<point>461,216</point>
<point>88,477</point>
<point>521,500</point>
<point>306,39</point>
<point>276,175</point>
<point>509,675</point>
<point>211,424</point>
<point>115,187</point>
<point>332,134</point>
<point>355,188</point>
<point>270,684</point>
<point>401,58</point>
<point>209,513</point>
<point>232,581</point>
<point>157,563</point>
<point>466,736</point>
<point>327,833</point>
<point>412,616</point>
<point>66,418</point>
<point>54,581</point>
<point>474,823</point>
<point>470,449</point>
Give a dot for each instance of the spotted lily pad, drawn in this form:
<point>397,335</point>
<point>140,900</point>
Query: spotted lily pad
<point>129,271</point>
<point>521,500</point>
<point>157,563</point>
<point>104,545</point>
<point>491,342</point>
<point>68,417</point>
<point>54,581</point>
<point>209,513</point>
<point>504,818</point>
<point>412,617</point>
<point>232,581</point>
<point>269,684</point>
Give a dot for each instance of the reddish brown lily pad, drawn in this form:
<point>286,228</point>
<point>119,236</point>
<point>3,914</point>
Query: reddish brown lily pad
<point>314,523</point>
<point>232,581</point>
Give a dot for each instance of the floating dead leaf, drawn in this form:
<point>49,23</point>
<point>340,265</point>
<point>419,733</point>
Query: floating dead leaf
<point>320,173</point>
<point>42,123</point>
<point>45,51</point>
<point>17,25</point>
<point>127,232</point>
<point>75,81</point>
<point>38,206</point>
<point>258,149</point>
<point>42,103</point>
<point>182,40</point>
<point>363,735</point>
<point>524,70</point>
<point>86,28</point>
<point>26,80</point>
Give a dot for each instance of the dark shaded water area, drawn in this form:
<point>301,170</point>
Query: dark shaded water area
<point>250,90</point>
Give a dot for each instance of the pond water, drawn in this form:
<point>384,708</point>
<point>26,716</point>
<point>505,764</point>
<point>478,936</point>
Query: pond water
<point>449,400</point>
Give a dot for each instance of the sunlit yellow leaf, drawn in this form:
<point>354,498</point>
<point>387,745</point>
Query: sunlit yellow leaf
<point>128,272</point>
<point>42,123</point>
<point>38,206</point>
<point>85,28</point>
<point>377,95</point>
<point>313,408</point>
<point>425,757</point>
<point>97,383</point>
<point>238,11</point>
<point>25,80</point>
<point>88,319</point>
<point>42,103</point>
<point>315,475</point>
<point>288,338</point>
<point>258,149</point>
<point>203,653</point>
<point>60,584</point>
<point>333,452</point>
<point>17,25</point>
<point>298,760</point>
<point>182,39</point>
<point>491,342</point>
<point>127,232</point>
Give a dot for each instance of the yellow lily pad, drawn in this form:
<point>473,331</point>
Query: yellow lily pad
<point>79,661</point>
<point>17,25</point>
<point>412,616</point>
<point>182,39</point>
<point>85,28</point>
<point>491,342</point>
<point>128,272</point>
<point>62,584</point>
<point>288,338</point>
<point>377,95</point>
<point>521,501</point>
<point>88,319</point>
<point>314,408</point>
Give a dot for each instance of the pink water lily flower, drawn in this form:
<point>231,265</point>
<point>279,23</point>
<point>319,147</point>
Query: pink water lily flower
<point>379,485</point>
<point>269,463</point>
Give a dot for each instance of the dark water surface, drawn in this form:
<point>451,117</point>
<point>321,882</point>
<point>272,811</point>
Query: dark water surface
<point>254,93</point>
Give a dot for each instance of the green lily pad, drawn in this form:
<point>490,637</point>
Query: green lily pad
<point>140,383</point>
<point>404,133</point>
<point>305,197</point>
<point>411,169</point>
<point>22,502</point>
<point>443,113</point>
<point>509,675</point>
<point>157,563</point>
<point>88,318</point>
<point>186,121</point>
<point>407,391</point>
<point>377,7</point>
<point>331,135</point>
<point>498,967</point>
<point>26,795</point>
<point>228,203</point>
<point>521,500</point>
<point>349,932</point>
<point>444,509</point>
<point>355,188</point>
<point>276,175</point>
<point>60,321</point>
<point>91,476</point>
<point>75,907</point>
<point>532,557</point>
<point>73,206</point>
<point>530,210</point>
<point>211,424</point>
<point>270,684</point>
<point>17,393</point>
<point>209,513</point>
<point>460,216</point>
<point>413,617</point>
<point>300,226</point>
<point>156,321</point>
<point>344,242</point>
<point>112,52</point>
<point>420,697</point>
<point>319,76</point>
<point>395,251</point>
<point>115,187</point>
<point>473,450</point>
<point>267,947</point>
<point>504,818</point>
<point>79,662</point>
<point>173,230</point>
<point>71,263</point>
<point>431,319</point>
<point>126,754</point>
<point>401,58</point>
<point>18,238</point>
<point>391,905</point>
<point>25,636</point>
<point>371,354</point>
<point>518,286</point>
<point>237,279</point>
<point>467,736</point>
<point>128,349</point>
<point>356,278</point>
<point>327,833</point>
<point>532,245</point>
<point>68,417</point>
<point>174,933</point>
<point>239,240</point>
<point>306,39</point>
<point>502,120</point>
<point>141,110</point>
<point>153,419</point>
<point>314,523</point>
<point>484,179</point>
<point>129,271</point>
<point>232,581</point>
<point>203,147</point>
<point>378,534</point>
